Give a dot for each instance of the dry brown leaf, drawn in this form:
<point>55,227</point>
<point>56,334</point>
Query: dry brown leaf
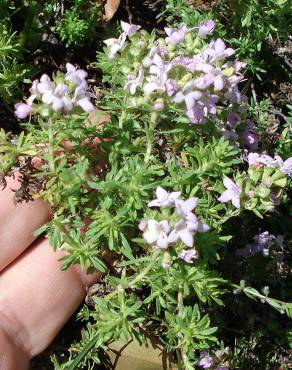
<point>110,8</point>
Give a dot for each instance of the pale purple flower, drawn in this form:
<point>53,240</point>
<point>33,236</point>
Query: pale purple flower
<point>206,361</point>
<point>188,63</point>
<point>115,45</point>
<point>196,114</point>
<point>77,76</point>
<point>210,103</point>
<point>164,198</point>
<point>232,193</point>
<point>183,232</point>
<point>206,27</point>
<point>233,95</point>
<point>253,159</point>
<point>192,97</point>
<point>134,83</point>
<point>81,99</point>
<point>250,139</point>
<point>129,29</point>
<point>45,85</point>
<point>171,87</point>
<point>233,119</point>
<point>217,50</point>
<point>157,76</point>
<point>156,233</point>
<point>22,110</point>
<point>285,166</point>
<point>175,36</point>
<point>184,207</point>
<point>204,82</point>
<point>188,255</point>
<point>158,105</point>
<point>263,243</point>
<point>85,104</point>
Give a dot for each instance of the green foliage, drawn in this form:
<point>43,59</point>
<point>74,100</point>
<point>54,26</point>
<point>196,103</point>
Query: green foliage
<point>78,23</point>
<point>99,178</point>
<point>12,72</point>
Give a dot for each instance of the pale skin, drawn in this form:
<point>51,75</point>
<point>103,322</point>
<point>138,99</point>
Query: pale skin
<point>36,298</point>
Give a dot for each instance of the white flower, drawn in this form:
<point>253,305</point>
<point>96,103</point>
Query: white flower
<point>232,193</point>
<point>115,45</point>
<point>183,232</point>
<point>156,233</point>
<point>129,29</point>
<point>184,207</point>
<point>133,84</point>
<point>164,199</point>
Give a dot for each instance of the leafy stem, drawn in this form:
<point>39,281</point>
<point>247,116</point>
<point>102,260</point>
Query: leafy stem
<point>149,130</point>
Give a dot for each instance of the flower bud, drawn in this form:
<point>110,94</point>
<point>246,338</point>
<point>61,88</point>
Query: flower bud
<point>22,110</point>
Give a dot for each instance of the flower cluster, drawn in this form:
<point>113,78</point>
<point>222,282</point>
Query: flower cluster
<point>255,159</point>
<point>183,69</point>
<point>65,92</point>
<point>178,226</point>
<point>262,243</point>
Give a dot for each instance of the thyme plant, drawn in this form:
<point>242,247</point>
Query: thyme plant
<point>143,186</point>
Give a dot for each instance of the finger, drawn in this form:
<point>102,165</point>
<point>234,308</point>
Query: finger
<point>18,222</point>
<point>36,298</point>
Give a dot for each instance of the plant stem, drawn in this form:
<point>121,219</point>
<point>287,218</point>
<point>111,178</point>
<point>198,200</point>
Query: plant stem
<point>146,270</point>
<point>138,278</point>
<point>51,147</point>
<point>149,130</point>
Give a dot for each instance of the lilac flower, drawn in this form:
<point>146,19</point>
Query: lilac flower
<point>253,159</point>
<point>191,98</point>
<point>196,114</point>
<point>134,83</point>
<point>276,162</point>
<point>77,76</point>
<point>129,29</point>
<point>232,193</point>
<point>157,76</point>
<point>188,255</point>
<point>158,105</point>
<point>210,103</point>
<point>285,167</point>
<point>204,82</point>
<point>183,232</point>
<point>206,27</point>
<point>156,233</point>
<point>184,207</point>
<point>175,36</point>
<point>115,45</point>
<point>164,199</point>
<point>22,110</point>
<point>171,87</point>
<point>233,119</point>
<point>186,228</point>
<point>250,138</point>
<point>81,98</point>
<point>207,361</point>
<point>263,243</point>
<point>188,63</point>
<point>217,50</point>
<point>233,95</point>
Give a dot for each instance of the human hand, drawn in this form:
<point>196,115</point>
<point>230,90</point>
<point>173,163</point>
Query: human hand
<point>36,298</point>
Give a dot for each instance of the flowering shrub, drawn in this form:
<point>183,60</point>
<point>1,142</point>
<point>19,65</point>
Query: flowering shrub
<point>171,124</point>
